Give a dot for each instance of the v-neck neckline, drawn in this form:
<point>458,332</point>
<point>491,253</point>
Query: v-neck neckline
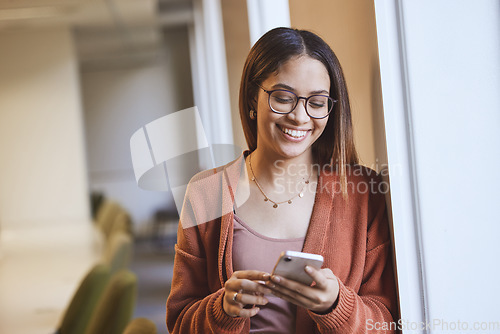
<point>314,238</point>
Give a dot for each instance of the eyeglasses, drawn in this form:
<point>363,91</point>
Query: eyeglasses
<point>283,101</point>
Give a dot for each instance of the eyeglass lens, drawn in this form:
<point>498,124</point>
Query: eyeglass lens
<point>283,101</point>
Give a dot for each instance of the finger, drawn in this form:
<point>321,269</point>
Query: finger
<point>237,311</point>
<point>291,285</point>
<point>250,299</point>
<point>328,273</point>
<point>292,297</point>
<point>251,286</point>
<point>252,275</point>
<point>248,313</point>
<point>294,290</point>
<point>319,276</point>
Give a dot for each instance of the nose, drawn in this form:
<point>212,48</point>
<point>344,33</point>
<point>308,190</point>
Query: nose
<point>299,114</point>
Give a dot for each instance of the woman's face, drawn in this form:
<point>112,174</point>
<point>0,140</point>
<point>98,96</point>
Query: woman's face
<point>304,76</point>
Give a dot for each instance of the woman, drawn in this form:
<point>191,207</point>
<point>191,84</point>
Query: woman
<point>297,188</point>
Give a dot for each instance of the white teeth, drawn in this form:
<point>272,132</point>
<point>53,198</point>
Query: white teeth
<point>294,133</point>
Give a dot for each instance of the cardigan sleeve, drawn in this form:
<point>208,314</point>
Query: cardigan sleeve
<point>372,309</point>
<point>191,306</point>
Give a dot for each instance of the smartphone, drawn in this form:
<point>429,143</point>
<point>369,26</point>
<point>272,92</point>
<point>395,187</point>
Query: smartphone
<point>291,265</point>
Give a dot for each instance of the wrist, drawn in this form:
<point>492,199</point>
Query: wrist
<point>329,309</point>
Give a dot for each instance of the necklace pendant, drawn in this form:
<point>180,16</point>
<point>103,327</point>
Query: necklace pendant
<point>307,182</point>
<point>289,201</point>
<point>301,195</point>
<point>275,205</point>
<point>253,178</point>
<point>266,199</point>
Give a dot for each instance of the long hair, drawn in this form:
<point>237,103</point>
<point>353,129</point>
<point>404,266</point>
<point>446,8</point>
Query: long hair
<point>335,146</point>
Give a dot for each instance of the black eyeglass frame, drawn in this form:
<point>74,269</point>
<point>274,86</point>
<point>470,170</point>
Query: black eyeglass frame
<point>306,99</point>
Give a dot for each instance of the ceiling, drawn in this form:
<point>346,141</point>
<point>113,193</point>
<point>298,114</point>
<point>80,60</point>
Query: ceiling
<point>104,30</point>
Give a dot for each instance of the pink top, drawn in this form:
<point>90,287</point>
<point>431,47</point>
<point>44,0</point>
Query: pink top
<point>254,251</point>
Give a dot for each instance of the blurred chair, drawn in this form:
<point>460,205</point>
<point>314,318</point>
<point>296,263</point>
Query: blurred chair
<point>96,199</point>
<point>112,217</point>
<point>118,252</point>
<point>122,222</point>
<point>106,215</point>
<point>140,326</point>
<point>83,302</point>
<point>116,306</point>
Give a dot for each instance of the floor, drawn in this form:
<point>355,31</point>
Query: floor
<point>153,264</point>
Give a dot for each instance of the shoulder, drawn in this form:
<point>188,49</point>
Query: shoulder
<point>362,186</point>
<point>205,194</point>
<point>361,173</point>
<point>355,175</point>
<point>366,182</point>
<point>364,204</point>
<point>209,176</point>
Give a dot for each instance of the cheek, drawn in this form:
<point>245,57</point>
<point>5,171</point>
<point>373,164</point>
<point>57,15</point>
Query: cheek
<point>267,118</point>
<point>261,103</point>
<point>321,125</point>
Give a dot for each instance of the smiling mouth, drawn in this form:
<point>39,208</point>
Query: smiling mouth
<point>293,133</point>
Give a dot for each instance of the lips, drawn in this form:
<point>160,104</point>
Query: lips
<point>293,133</point>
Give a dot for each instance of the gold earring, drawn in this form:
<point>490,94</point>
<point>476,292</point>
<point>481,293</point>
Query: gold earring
<point>253,114</point>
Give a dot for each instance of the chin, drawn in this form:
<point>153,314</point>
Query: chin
<point>293,152</point>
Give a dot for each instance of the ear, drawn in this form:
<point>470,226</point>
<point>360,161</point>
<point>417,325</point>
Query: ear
<point>253,101</point>
<point>253,104</point>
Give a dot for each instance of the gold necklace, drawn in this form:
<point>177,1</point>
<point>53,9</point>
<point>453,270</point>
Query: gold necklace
<point>266,198</point>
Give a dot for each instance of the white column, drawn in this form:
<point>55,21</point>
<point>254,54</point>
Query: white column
<point>404,196</point>
<point>210,82</point>
<point>43,176</point>
<point>440,81</point>
<point>264,15</point>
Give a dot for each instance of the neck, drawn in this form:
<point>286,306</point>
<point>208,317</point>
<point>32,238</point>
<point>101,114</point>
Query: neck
<point>272,169</point>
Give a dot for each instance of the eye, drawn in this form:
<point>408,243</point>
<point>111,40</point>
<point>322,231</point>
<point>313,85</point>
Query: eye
<point>282,97</point>
<point>318,102</point>
<point>316,105</point>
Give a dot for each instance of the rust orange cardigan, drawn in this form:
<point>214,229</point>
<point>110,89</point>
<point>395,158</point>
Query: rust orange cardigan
<point>352,235</point>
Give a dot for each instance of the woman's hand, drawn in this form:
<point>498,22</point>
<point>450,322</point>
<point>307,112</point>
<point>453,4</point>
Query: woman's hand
<point>243,288</point>
<point>318,298</point>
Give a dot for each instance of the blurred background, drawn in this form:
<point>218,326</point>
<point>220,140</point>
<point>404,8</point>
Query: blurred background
<point>78,78</point>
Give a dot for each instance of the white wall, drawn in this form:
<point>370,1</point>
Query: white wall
<point>440,72</point>
<point>118,102</point>
<point>209,69</point>
<point>42,173</point>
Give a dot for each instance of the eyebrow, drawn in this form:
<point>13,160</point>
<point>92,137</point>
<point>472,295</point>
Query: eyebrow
<point>284,86</point>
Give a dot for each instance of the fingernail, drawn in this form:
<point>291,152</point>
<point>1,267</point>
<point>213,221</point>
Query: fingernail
<point>265,276</point>
<point>275,278</point>
<point>308,269</point>
<point>269,284</point>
